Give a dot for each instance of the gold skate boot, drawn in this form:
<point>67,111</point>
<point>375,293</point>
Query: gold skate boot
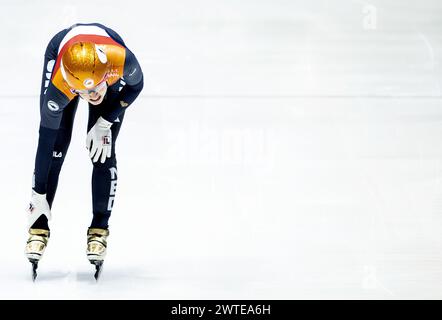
<point>96,248</point>
<point>35,247</point>
<point>36,244</point>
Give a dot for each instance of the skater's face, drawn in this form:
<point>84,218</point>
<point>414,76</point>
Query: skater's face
<point>96,95</point>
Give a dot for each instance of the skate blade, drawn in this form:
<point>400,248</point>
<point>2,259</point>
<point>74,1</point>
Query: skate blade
<point>98,268</point>
<point>34,263</point>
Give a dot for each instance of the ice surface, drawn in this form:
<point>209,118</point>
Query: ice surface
<point>280,150</point>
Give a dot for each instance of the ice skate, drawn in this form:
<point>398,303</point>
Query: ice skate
<point>35,247</point>
<point>96,248</point>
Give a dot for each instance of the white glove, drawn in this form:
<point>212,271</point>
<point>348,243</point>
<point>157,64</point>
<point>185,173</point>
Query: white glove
<point>38,206</point>
<point>99,140</point>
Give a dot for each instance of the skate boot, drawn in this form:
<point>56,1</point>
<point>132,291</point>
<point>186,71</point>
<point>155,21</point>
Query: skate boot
<point>96,248</point>
<point>35,247</point>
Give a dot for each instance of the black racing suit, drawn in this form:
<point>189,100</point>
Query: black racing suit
<point>57,122</point>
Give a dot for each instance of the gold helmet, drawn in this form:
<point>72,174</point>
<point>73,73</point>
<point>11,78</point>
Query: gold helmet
<point>84,65</point>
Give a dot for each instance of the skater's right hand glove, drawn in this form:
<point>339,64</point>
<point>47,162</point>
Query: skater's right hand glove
<point>38,206</point>
<point>99,140</point>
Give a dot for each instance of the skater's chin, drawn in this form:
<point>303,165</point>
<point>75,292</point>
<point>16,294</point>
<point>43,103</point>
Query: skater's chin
<point>95,101</point>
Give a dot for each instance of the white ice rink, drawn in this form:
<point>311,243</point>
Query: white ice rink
<point>279,150</point>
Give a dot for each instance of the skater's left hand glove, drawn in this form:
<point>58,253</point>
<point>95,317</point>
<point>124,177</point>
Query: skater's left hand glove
<point>99,140</point>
